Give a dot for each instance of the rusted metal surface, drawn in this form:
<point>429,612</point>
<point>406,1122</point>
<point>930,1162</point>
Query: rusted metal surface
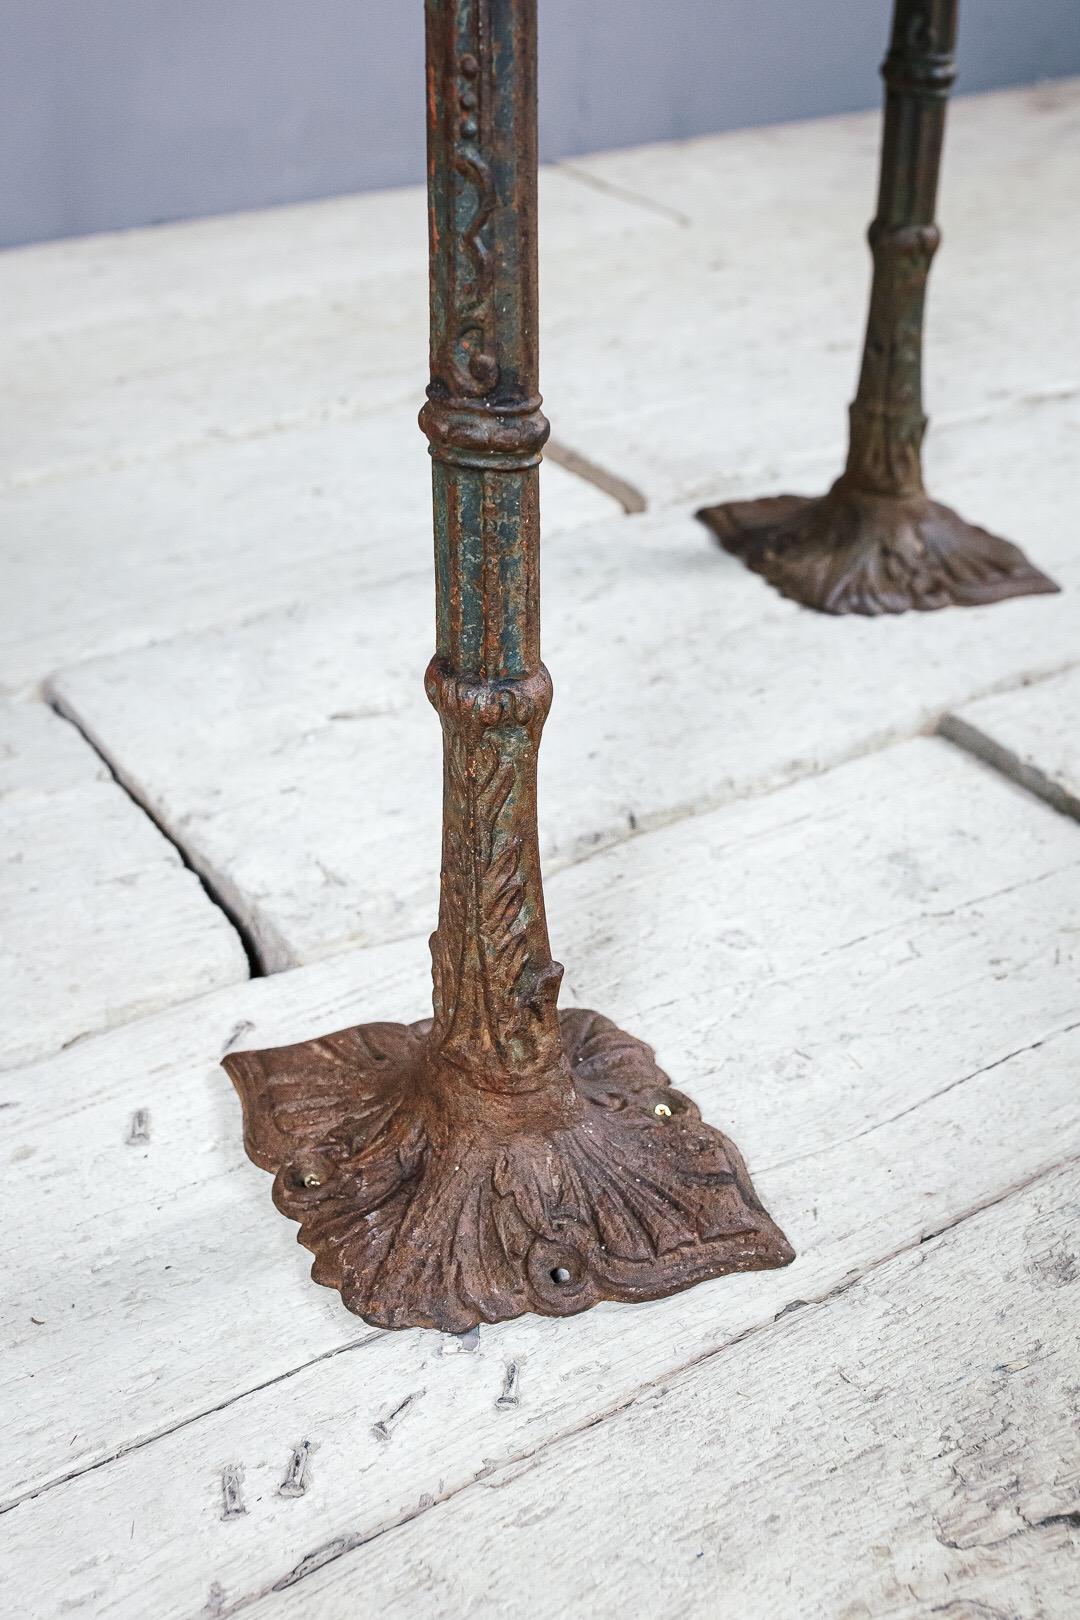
<point>876,543</point>
<point>502,1156</point>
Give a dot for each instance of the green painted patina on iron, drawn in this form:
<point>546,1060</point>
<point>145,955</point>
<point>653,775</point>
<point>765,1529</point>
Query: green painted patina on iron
<point>483,415</point>
<point>501,1156</point>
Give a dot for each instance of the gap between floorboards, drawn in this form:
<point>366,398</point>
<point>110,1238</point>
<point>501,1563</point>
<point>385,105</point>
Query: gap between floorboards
<point>1004,762</point>
<point>209,887</point>
<point>370,1335</point>
<point>342,1546</point>
<point>877,743</point>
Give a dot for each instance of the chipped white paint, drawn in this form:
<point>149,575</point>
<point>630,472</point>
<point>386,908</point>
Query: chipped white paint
<point>120,558</point>
<point>881,1007</point>
<point>850,1209</point>
<point>908,1449</point>
<point>102,923</point>
<point>869,978</point>
<point>723,350</point>
<point>1031,734</point>
<point>675,354</point>
<point>686,344</point>
<point>760,172</point>
<point>299,765</point>
<point>39,754</point>
<point>140,345</point>
<point>255,260</point>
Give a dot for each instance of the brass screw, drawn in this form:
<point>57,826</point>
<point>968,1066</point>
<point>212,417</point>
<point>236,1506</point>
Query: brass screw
<point>662,1111</point>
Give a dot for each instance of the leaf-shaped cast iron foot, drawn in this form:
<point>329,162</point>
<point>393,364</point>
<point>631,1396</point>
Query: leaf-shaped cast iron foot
<point>502,1157</point>
<point>854,552</point>
<point>427,1206</point>
<point>876,543</point>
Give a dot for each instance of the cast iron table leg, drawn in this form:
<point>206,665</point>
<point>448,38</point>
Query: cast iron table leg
<point>876,543</point>
<point>499,1157</point>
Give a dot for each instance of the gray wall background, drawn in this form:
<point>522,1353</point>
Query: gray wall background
<point>129,112</point>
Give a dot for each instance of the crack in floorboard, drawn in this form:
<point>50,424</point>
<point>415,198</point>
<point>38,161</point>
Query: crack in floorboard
<point>933,1096</point>
<point>627,194</point>
<point>341,1546</point>
<point>210,888</point>
<point>588,845</point>
<point>978,744</point>
<point>185,1423</point>
<point>630,498</point>
<point>518,1464</point>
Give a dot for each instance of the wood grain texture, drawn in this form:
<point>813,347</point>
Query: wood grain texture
<point>183,454</point>
<point>863,1137</point>
<point>327,695</point>
<point>1030,735</point>
<point>102,923</point>
<point>445,1426</point>
<point>314,251</point>
<point>757,166</point>
<point>133,345</point>
<point>125,556</point>
<point>737,337</point>
<point>40,754</point>
<point>655,287</point>
<point>214,415</point>
<point>874,988</point>
<point>908,1449</point>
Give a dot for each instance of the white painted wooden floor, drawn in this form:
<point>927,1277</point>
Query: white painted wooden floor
<point>830,868</point>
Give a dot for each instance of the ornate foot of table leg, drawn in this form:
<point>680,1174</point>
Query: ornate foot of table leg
<point>853,551</point>
<point>502,1157</point>
<point>876,543</point>
<point>429,1205</point>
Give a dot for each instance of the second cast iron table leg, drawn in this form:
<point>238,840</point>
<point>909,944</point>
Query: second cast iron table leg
<point>876,543</point>
<point>501,1156</point>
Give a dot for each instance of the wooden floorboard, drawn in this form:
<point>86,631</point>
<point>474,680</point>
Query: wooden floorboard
<point>883,1014</point>
<point>298,771</point>
<point>856,947</point>
<point>123,557</point>
<point>225,366</point>
<point>905,1449</point>
<point>726,346</point>
<point>1031,735</point>
<point>102,923</point>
